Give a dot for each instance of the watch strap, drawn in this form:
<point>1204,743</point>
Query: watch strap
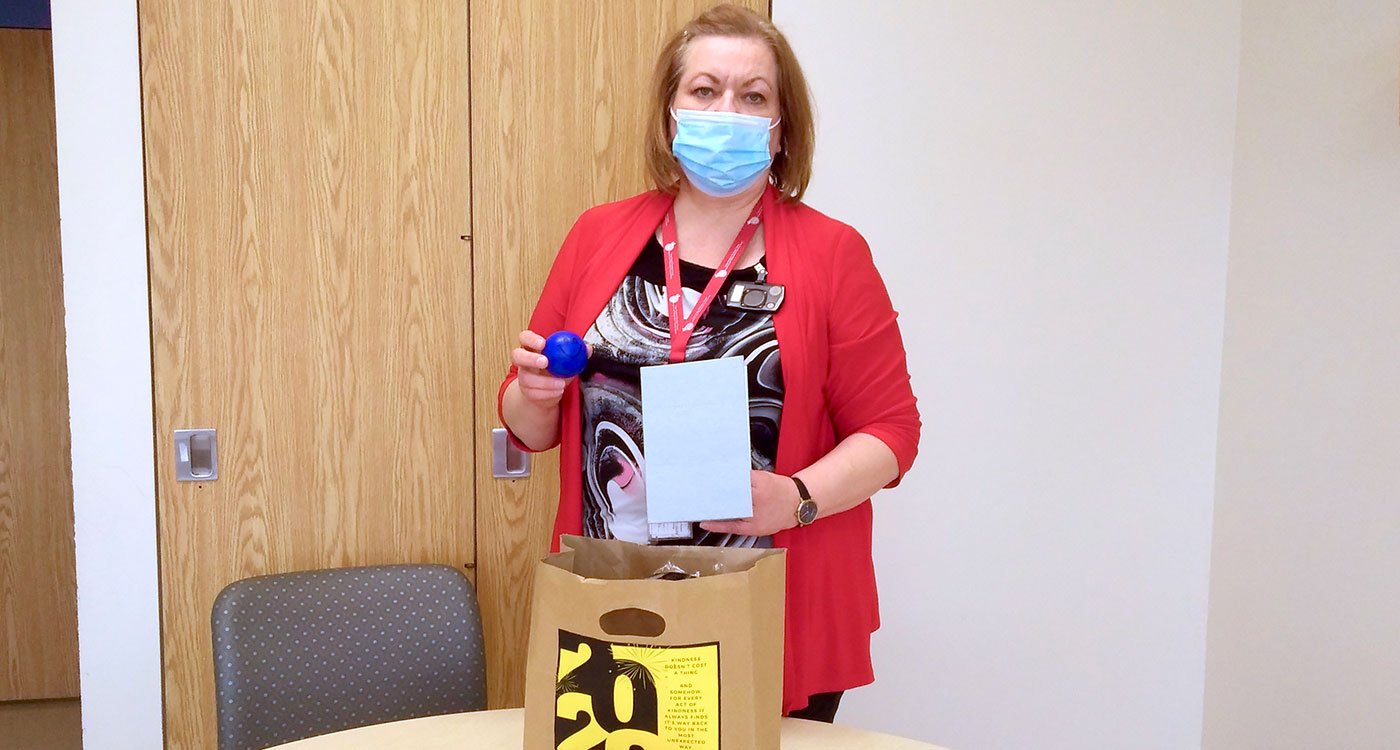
<point>806,510</point>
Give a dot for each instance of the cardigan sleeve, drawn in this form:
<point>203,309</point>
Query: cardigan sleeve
<point>867,384</point>
<point>549,315</point>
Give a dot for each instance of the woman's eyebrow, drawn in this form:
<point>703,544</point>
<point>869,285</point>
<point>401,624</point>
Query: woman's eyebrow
<point>697,76</point>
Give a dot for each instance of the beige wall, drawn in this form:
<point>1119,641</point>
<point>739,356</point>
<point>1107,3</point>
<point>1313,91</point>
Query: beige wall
<point>1046,190</point>
<point>1304,630</point>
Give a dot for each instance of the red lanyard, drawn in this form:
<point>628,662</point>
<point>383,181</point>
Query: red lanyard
<point>682,325</point>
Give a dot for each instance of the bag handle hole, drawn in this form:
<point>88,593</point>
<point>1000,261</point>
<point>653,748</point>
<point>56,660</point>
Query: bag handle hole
<point>632,621</point>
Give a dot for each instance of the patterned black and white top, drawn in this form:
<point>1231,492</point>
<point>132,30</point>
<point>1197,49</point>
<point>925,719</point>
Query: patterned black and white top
<point>632,332</point>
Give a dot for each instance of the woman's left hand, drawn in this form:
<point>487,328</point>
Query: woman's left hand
<point>775,501</point>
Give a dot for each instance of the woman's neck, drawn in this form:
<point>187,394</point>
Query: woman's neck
<point>695,203</point>
<point>706,226</point>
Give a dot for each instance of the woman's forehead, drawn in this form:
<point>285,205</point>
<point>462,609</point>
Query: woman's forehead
<point>728,57</point>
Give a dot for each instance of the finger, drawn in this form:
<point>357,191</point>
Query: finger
<point>744,526</point>
<point>531,340</point>
<point>526,358</point>
<point>543,383</point>
<point>550,388</point>
<point>542,397</point>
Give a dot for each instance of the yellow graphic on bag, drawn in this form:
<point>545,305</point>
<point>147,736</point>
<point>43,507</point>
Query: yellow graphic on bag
<point>616,696</point>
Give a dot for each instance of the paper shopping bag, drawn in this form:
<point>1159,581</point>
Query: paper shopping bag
<point>652,648</point>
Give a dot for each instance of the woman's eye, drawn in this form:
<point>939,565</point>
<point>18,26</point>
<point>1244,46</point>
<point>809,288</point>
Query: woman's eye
<point>753,97</point>
<point>703,91</point>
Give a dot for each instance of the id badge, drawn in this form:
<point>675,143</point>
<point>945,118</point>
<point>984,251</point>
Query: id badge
<point>754,297</point>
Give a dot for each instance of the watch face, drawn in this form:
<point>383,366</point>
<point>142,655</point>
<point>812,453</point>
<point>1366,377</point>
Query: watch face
<point>806,512</point>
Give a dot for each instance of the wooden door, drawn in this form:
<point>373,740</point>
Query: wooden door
<point>38,599</point>
<point>308,194</point>
<point>559,93</point>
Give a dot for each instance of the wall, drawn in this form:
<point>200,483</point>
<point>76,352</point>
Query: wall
<point>103,234</point>
<point>1305,597</point>
<point>1046,189</point>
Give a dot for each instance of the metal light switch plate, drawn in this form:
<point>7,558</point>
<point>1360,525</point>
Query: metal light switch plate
<point>507,461</point>
<point>196,455</point>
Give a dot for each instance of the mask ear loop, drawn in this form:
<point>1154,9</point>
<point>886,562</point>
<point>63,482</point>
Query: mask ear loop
<point>782,151</point>
<point>782,147</point>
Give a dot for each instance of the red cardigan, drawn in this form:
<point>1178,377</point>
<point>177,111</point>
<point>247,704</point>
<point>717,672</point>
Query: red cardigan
<point>844,372</point>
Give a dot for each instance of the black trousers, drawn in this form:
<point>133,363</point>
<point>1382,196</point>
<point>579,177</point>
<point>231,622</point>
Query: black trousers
<point>820,707</point>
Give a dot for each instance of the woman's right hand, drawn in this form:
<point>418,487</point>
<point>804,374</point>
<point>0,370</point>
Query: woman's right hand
<point>539,387</point>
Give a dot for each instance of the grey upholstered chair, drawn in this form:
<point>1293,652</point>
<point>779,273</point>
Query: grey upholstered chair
<point>302,654</point>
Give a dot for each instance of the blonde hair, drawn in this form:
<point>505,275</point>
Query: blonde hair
<point>792,165</point>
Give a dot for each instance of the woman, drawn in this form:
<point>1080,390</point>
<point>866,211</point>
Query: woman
<point>649,281</point>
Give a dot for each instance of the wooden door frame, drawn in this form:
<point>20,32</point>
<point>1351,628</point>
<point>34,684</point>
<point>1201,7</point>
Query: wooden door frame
<point>97,93</point>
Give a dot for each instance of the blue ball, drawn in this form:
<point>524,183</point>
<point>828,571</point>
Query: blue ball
<point>566,353</point>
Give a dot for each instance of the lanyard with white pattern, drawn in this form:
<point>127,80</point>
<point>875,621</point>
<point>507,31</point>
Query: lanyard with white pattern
<point>682,325</point>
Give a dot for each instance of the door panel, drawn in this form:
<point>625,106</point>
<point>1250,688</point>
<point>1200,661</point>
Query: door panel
<point>559,94</point>
<point>38,598</point>
<point>307,192</point>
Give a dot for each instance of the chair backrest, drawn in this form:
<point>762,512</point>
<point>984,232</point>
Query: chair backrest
<point>302,654</point>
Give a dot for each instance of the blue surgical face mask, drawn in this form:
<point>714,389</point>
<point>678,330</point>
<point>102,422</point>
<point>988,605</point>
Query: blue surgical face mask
<point>722,153</point>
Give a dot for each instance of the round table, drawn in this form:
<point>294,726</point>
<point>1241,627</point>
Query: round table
<point>504,730</point>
